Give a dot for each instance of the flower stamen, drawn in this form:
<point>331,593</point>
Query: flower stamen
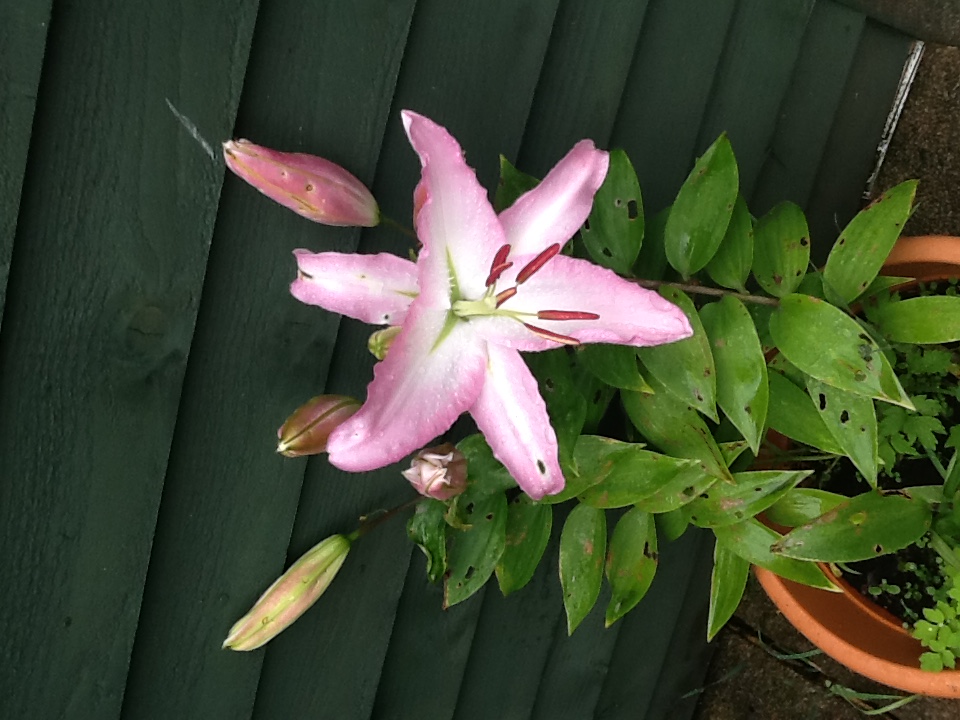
<point>549,335</point>
<point>505,295</point>
<point>538,262</point>
<point>496,271</point>
<point>566,315</point>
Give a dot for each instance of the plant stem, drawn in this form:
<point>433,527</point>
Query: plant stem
<point>944,550</point>
<point>368,523</point>
<point>703,290</point>
<point>390,222</point>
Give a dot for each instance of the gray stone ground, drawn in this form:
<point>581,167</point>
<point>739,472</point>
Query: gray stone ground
<point>746,680</point>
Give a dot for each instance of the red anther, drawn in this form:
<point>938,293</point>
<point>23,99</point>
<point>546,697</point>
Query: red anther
<point>496,272</point>
<point>538,262</point>
<point>505,295</point>
<point>548,335</point>
<point>566,315</point>
<point>501,257</point>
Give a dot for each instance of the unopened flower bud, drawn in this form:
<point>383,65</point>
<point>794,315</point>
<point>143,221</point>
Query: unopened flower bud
<point>318,189</point>
<point>290,596</point>
<point>306,431</point>
<point>439,472</point>
<point>381,340</point>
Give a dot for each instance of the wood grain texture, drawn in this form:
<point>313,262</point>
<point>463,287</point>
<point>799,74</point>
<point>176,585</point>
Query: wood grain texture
<point>23,36</point>
<point>117,213</point>
<point>321,80</point>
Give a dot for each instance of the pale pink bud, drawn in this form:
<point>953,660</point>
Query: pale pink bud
<point>306,431</point>
<point>290,596</point>
<point>439,472</point>
<point>318,189</point>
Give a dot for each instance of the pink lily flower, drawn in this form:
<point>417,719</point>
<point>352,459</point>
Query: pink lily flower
<point>484,287</point>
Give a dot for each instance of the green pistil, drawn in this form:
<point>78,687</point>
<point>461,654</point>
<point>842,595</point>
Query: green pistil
<point>454,283</point>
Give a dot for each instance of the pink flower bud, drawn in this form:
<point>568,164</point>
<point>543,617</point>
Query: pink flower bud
<point>439,472</point>
<point>318,189</point>
<point>306,431</point>
<point>290,596</point>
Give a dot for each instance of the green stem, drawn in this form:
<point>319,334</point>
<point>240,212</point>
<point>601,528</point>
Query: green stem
<point>703,290</point>
<point>944,550</point>
<point>368,523</point>
<point>390,222</point>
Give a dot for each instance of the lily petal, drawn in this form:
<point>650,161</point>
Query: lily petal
<point>554,210</point>
<point>513,418</point>
<point>431,375</point>
<point>455,222</point>
<point>628,313</point>
<point>375,289</point>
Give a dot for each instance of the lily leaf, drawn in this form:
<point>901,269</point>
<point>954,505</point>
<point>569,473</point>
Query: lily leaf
<point>681,489</point>
<point>921,320</point>
<point>685,368</point>
<point>865,243</point>
<point>861,528</point>
<point>566,407</point>
<point>428,529</point>
<point>652,260</point>
<point>781,249</point>
<point>727,583</point>
<point>527,534</point>
<point>730,266</point>
<point>631,562</point>
<point>473,553</point>
<point>742,390</point>
<point>513,183</point>
<point>701,213</point>
<point>595,458</point>
<point>583,545</point>
<point>752,493</point>
<point>485,474</point>
<point>792,413</point>
<point>852,420</point>
<point>634,474</point>
<point>801,505</point>
<point>614,364</point>
<point>826,343</point>
<point>614,233</point>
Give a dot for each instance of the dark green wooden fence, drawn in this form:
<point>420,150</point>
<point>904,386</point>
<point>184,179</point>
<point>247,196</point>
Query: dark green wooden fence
<point>149,347</point>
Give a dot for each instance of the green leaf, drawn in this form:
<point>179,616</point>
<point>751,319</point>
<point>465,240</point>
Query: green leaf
<point>727,583</point>
<point>685,368</point>
<point>512,185</point>
<point>614,233</point>
<point>793,413</point>
<point>674,427</point>
<point>583,544</point>
<point>852,420</point>
<point>730,266</point>
<point>595,458</point>
<point>672,524</point>
<point>631,562</point>
<point>614,364</point>
<point>652,260</point>
<point>781,249</point>
<point>428,529</point>
<point>485,474</point>
<point>566,407</point>
<point>629,475</point>
<point>829,345</point>
<point>527,534</point>
<point>751,540</point>
<point>701,213</point>
<point>865,243</point>
<point>742,390</point>
<point>922,320</point>
<point>473,553</point>
<point>801,505</point>
<point>861,528</point>
<point>751,493</point>
<point>595,392</point>
<point>681,489</point>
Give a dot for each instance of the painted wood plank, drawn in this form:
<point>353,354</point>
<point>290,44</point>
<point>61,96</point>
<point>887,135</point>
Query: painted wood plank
<point>321,79</point>
<point>23,36</point>
<point>582,83</point>
<point>117,212</point>
<point>851,148</point>
<point>760,52</point>
<point>807,112</point>
<point>659,117</point>
<point>480,85</point>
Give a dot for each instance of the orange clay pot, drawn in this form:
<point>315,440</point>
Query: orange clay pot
<point>845,625</point>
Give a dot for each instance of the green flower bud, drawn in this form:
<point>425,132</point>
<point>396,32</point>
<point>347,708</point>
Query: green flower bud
<point>306,431</point>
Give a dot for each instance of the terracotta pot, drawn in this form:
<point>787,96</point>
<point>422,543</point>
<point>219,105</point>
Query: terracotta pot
<point>845,625</point>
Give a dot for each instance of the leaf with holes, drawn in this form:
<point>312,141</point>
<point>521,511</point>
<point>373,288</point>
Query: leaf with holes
<point>631,563</point>
<point>473,553</point>
<point>921,320</point>
<point>751,494</point>
<point>793,414</point>
<point>633,475</point>
<point>485,474</point>
<point>681,489</point>
<point>826,343</point>
<point>528,531</point>
<point>742,390</point>
<point>801,505</point>
<point>512,185</point>
<point>614,232</point>
<point>781,249</point>
<point>852,420</point>
<point>428,529</point>
<point>861,528</point>
<point>616,365</point>
<point>730,267</point>
<point>594,459</point>
<point>751,540</point>
<point>566,407</point>
<point>675,428</point>
<point>583,545</point>
<point>865,243</point>
<point>685,368</point>
<point>727,583</point>
<point>701,213</point>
